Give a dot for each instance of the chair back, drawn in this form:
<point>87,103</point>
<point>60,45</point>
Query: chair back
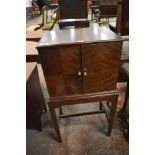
<point>73,9</point>
<point>122,25</point>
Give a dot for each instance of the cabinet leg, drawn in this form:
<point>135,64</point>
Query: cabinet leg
<point>55,122</point>
<point>112,115</point>
<point>38,124</point>
<point>100,105</point>
<point>60,110</point>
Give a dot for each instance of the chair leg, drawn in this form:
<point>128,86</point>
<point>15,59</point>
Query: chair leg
<point>55,122</point>
<point>112,115</point>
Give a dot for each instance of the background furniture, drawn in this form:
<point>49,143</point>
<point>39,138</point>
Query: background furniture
<point>80,68</point>
<point>35,104</point>
<point>125,52</point>
<point>48,21</point>
<point>94,6</point>
<point>124,112</point>
<point>107,8</point>
<point>121,26</point>
<point>34,35</point>
<point>31,52</point>
<point>73,13</point>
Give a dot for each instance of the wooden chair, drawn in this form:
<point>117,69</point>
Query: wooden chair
<point>94,9</point>
<point>36,10</point>
<point>108,9</point>
<point>48,22</point>
<point>124,112</point>
<point>121,26</point>
<point>73,13</point>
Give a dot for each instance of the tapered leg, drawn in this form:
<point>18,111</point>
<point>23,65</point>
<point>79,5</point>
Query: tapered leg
<point>55,122</point>
<point>112,115</point>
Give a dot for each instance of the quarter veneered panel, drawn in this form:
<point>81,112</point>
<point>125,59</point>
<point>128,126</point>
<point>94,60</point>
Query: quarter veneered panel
<point>61,65</point>
<point>101,62</point>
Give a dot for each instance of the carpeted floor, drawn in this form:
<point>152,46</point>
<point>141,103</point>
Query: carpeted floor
<point>83,135</point>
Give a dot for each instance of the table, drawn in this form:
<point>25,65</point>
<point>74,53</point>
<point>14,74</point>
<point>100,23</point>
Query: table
<point>34,35</point>
<point>35,104</point>
<point>31,52</point>
<point>80,66</point>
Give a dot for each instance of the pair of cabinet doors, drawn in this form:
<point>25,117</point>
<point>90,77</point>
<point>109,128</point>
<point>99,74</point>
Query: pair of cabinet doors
<point>81,69</point>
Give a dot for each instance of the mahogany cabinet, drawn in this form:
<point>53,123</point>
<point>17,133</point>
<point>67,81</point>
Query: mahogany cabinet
<point>80,66</point>
<point>80,69</point>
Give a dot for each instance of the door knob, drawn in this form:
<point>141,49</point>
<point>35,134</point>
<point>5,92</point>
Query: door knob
<point>79,73</point>
<point>85,72</point>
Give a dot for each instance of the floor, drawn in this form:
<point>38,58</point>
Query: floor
<point>82,135</point>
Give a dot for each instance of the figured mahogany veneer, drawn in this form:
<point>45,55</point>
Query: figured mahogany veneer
<point>80,65</point>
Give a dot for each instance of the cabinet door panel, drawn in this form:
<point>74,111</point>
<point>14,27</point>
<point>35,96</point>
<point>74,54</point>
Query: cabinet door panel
<point>60,66</point>
<point>101,62</point>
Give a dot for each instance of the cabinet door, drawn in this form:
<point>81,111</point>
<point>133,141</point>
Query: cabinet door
<point>61,65</point>
<point>100,63</point>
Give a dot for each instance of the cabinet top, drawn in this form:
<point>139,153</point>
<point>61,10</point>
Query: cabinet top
<point>93,33</point>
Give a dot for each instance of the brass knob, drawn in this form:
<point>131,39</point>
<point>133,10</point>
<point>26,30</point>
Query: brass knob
<point>79,73</point>
<point>85,72</point>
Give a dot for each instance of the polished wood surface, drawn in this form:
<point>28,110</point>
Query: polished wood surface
<point>29,69</point>
<point>31,52</point>
<point>61,66</point>
<point>101,62</point>
<point>35,103</point>
<point>34,35</point>
<point>92,34</point>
